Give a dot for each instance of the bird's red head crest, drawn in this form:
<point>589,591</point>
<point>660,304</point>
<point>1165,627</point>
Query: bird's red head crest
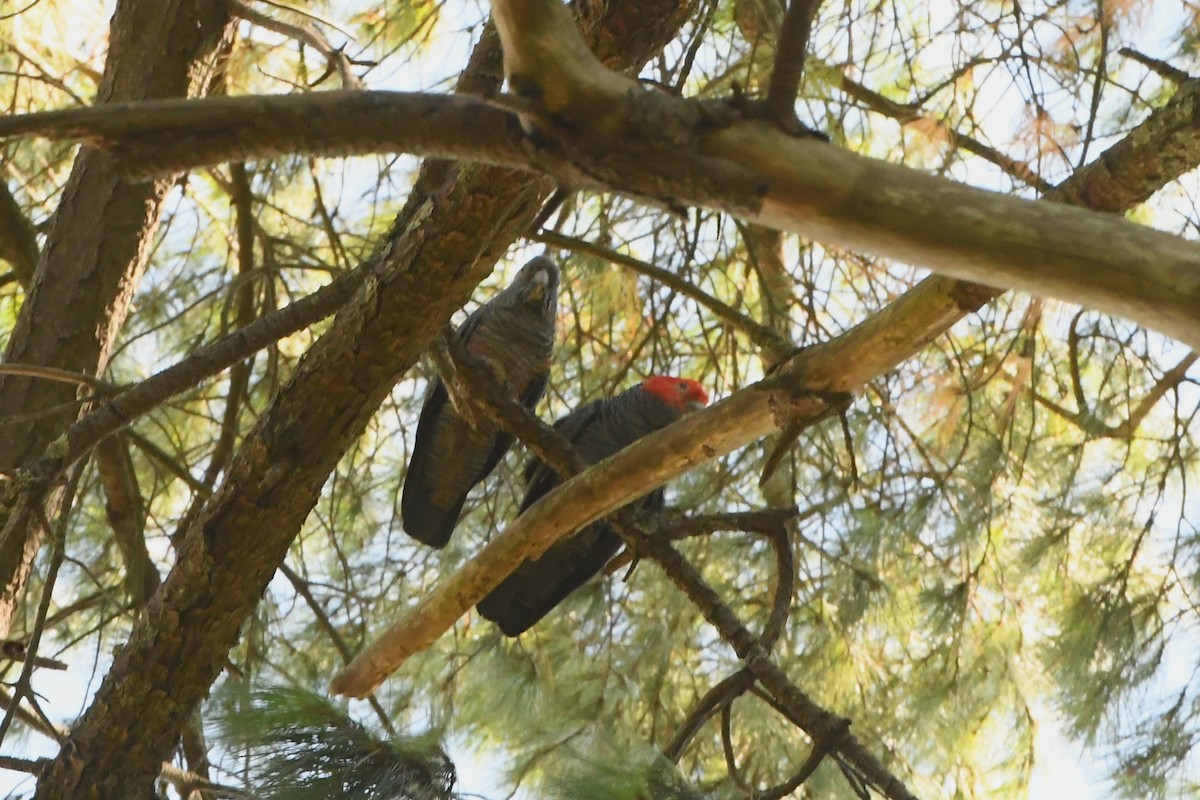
<point>682,394</point>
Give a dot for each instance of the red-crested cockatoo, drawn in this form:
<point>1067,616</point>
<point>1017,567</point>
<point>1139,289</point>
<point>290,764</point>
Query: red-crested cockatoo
<point>597,430</point>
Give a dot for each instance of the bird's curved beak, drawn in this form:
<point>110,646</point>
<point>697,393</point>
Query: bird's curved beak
<point>695,405</point>
<point>537,286</point>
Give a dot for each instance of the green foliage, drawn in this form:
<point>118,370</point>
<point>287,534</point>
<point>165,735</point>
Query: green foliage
<point>300,745</point>
<point>596,768</point>
<point>982,554</point>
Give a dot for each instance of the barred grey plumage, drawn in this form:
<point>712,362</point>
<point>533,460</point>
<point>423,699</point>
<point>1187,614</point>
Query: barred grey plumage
<point>514,334</point>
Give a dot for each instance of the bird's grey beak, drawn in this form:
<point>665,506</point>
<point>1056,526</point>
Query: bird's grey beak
<point>694,405</point>
<point>541,280</point>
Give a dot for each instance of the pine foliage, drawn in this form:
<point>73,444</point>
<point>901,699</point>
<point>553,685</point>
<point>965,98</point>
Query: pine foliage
<point>996,546</point>
<point>297,744</point>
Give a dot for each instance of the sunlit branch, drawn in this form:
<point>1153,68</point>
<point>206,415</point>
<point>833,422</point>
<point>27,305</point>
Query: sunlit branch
<point>1086,421</point>
<point>306,34</point>
<point>747,169</point>
<point>905,114</point>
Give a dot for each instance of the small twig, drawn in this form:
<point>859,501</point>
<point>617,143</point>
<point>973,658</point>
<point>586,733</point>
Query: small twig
<point>1090,424</point>
<point>29,766</point>
<point>785,589</point>
<point>790,52</point>
<point>305,34</point>
<point>1169,381</point>
<point>82,604</point>
<point>848,441</point>
<point>689,58</point>
<point>448,372</point>
<point>715,698</point>
<point>168,462</point>
<point>1157,66</point>
<point>305,591</point>
<point>211,359</point>
<point>310,14</point>
<point>904,114</point>
<point>731,767</point>
<point>15,650</point>
<point>815,757</point>
<point>548,208</point>
<point>18,240</point>
<point>763,520</point>
<point>34,721</point>
<point>125,510</point>
<point>186,782</point>
<point>102,387</point>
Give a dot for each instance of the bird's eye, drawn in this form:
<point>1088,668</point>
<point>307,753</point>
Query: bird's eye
<point>683,386</point>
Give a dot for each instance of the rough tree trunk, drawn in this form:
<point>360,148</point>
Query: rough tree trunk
<point>94,255</point>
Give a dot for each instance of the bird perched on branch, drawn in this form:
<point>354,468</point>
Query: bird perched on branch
<point>596,430</point>
<point>513,335</point>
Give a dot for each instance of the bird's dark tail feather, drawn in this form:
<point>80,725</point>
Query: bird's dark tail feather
<point>539,585</point>
<point>426,522</point>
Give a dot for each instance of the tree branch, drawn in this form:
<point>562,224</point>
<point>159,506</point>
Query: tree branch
<point>1158,66</point>
<point>744,168</point>
<point>306,34</point>
<point>790,51</point>
<point>211,359</point>
<point>18,242</point>
<point>1090,424</point>
<point>125,509</point>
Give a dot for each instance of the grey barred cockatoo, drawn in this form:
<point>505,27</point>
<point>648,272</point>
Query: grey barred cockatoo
<point>597,430</point>
<point>513,334</point>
